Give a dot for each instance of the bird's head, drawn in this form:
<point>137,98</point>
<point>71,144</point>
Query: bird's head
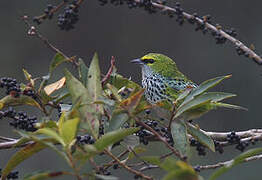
<point>157,63</point>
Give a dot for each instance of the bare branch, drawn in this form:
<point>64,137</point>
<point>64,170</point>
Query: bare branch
<point>190,17</point>
<point>220,164</point>
<point>138,173</point>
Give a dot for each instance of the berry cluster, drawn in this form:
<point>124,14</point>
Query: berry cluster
<point>11,175</point>
<point>199,147</point>
<point>20,120</point>
<point>143,134</point>
<point>69,17</point>
<point>11,85</point>
<point>85,139</point>
<point>179,13</point>
<point>233,138</point>
<point>48,13</point>
<point>167,135</point>
<point>13,88</point>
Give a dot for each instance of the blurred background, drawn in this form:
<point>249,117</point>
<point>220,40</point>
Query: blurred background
<point>128,34</point>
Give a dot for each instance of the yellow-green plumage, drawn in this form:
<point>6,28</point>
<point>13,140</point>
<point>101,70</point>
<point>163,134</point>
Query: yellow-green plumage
<point>161,78</point>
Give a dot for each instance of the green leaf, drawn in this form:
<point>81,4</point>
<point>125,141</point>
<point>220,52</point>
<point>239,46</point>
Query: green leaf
<point>131,141</point>
<point>117,120</point>
<point>20,156</point>
<point>57,60</point>
<point>204,87</point>
<point>83,71</point>
<point>94,86</point>
<point>21,100</point>
<point>201,137</point>
<point>202,99</point>
<point>44,175</point>
<point>178,170</point>
<point>80,94</point>
<point>113,137</point>
<point>179,134</point>
<point>238,160</point>
<point>68,130</point>
<point>51,133</point>
<point>119,81</point>
<point>76,89</point>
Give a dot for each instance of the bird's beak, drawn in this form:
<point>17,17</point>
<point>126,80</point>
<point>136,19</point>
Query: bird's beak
<point>137,61</point>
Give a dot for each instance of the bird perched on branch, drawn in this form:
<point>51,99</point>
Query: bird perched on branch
<point>162,80</point>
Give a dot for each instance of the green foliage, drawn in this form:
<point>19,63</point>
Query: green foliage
<point>179,134</point>
<point>117,107</point>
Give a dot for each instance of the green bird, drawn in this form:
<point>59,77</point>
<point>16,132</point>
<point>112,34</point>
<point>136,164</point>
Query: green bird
<point>160,75</point>
<point>162,80</point>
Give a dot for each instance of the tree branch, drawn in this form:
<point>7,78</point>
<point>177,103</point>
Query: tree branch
<point>203,23</point>
<point>138,173</point>
<point>226,163</point>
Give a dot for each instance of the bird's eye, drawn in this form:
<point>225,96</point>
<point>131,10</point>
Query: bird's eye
<point>148,61</point>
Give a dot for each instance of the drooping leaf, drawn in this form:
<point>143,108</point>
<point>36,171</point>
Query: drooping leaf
<point>83,71</point>
<point>238,160</point>
<point>76,88</point>
<point>51,133</point>
<point>21,100</point>
<point>179,135</point>
<point>44,175</point>
<point>117,120</point>
<point>68,130</point>
<point>56,61</point>
<point>20,156</point>
<point>201,137</point>
<point>131,141</point>
<point>204,87</point>
<point>49,89</point>
<point>113,137</point>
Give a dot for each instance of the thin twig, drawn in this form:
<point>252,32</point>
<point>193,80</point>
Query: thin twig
<point>226,163</point>
<point>108,74</point>
<point>35,32</point>
<point>138,173</point>
<point>106,166</point>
